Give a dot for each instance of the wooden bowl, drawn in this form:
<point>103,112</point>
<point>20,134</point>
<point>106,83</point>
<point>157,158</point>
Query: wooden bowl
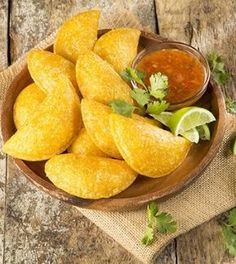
<point>143,189</point>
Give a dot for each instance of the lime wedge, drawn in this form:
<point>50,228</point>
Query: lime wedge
<point>204,132</point>
<point>163,118</point>
<point>188,118</point>
<point>192,135</point>
<point>234,146</point>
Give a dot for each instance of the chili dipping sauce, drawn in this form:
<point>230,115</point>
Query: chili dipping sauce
<point>186,74</point>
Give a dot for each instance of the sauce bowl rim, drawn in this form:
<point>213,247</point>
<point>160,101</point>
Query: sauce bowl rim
<point>158,46</point>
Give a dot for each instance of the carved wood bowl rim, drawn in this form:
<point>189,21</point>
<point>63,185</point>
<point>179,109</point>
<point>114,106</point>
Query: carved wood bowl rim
<point>116,203</point>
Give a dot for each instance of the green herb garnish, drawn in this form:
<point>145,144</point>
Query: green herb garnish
<point>151,98</point>
<point>130,74</point>
<point>142,97</point>
<point>157,222</point>
<point>218,69</point>
<point>157,107</point>
<point>229,232</point>
<point>158,85</point>
<point>121,107</point>
<point>231,105</point>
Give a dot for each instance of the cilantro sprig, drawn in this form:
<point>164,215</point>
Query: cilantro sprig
<point>149,98</point>
<point>217,66</point>
<point>221,76</point>
<point>230,105</point>
<point>141,96</point>
<point>229,232</point>
<point>161,222</point>
<point>130,74</point>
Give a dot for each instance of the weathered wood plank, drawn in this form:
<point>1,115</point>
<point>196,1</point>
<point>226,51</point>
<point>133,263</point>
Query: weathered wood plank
<point>47,230</point>
<point>204,244</point>
<point>3,34</point>
<point>3,65</point>
<point>207,25</point>
<point>168,255</point>
<point>2,201</point>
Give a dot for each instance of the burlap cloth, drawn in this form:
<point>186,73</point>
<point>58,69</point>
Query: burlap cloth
<point>212,194</point>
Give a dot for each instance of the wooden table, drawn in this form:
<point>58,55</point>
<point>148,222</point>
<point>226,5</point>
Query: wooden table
<point>35,228</point>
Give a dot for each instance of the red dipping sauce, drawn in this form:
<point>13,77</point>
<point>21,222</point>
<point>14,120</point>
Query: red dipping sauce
<point>186,74</point>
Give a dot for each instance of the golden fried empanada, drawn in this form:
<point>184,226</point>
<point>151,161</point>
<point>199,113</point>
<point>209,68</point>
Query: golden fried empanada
<point>27,102</point>
<point>96,121</point>
<point>52,127</point>
<point>46,68</point>
<point>89,177</point>
<point>97,80</point>
<point>148,149</point>
<point>77,35</point>
<point>118,47</point>
<point>84,145</point>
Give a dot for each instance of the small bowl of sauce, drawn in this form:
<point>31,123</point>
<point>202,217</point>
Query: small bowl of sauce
<point>187,70</point>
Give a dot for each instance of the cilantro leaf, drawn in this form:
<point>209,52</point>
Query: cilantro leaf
<point>232,217</point>
<point>229,232</point>
<point>221,77</point>
<point>230,239</point>
<point>152,210</point>
<point>158,94</point>
<point>121,107</point>
<point>158,81</point>
<point>141,96</point>
<point>218,69</point>
<point>165,223</point>
<point>157,107</point>
<point>231,105</point>
<point>162,222</point>
<point>159,85</point>
<point>141,75</point>
<point>130,74</point>
<point>148,236</point>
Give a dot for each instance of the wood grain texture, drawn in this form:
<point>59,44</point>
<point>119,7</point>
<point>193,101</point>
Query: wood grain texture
<point>3,34</point>
<point>207,25</point>
<point>49,231</point>
<point>203,244</point>
<point>3,64</point>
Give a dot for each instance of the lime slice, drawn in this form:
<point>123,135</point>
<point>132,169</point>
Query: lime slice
<point>192,135</point>
<point>163,118</point>
<point>234,146</point>
<point>188,118</point>
<point>204,132</point>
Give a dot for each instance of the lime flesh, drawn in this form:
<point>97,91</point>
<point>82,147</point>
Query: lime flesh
<point>164,118</point>
<point>204,132</point>
<point>189,117</point>
<point>192,135</point>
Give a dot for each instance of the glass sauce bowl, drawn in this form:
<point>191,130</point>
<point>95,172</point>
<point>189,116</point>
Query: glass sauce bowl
<point>184,48</point>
